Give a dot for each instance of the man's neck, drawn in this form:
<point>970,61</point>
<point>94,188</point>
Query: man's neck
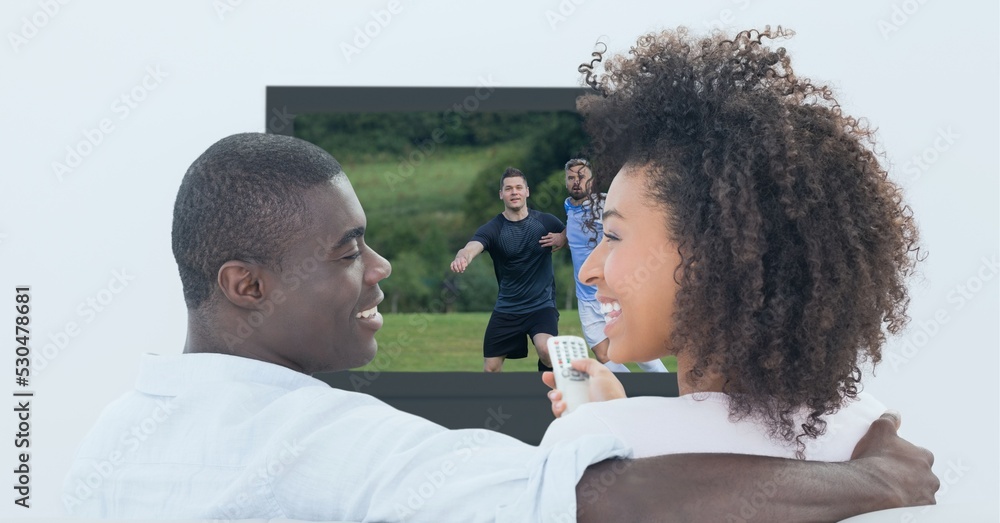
<point>515,216</point>
<point>203,338</point>
<point>576,203</point>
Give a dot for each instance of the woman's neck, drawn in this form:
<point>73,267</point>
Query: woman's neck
<point>711,380</point>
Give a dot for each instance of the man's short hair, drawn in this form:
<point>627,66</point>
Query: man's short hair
<point>242,199</point>
<point>576,162</point>
<point>511,172</point>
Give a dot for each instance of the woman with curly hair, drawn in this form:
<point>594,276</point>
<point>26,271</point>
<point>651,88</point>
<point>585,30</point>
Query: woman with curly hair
<point>750,231</point>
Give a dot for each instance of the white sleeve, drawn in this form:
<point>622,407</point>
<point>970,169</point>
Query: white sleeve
<point>371,462</point>
<point>571,426</point>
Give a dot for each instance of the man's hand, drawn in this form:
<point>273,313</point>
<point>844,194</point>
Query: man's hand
<point>465,255</point>
<point>603,385</point>
<point>459,264</point>
<point>904,468</point>
<point>556,240</point>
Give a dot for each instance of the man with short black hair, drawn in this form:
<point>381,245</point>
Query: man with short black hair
<point>280,283</point>
<point>520,241</point>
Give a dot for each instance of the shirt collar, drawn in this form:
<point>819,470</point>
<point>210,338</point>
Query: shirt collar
<point>585,203</point>
<point>170,374</point>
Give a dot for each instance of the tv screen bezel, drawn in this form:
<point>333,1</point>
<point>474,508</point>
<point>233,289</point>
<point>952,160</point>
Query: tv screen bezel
<point>282,103</point>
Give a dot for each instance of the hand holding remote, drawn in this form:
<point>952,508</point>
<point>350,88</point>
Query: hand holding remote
<point>603,385</point>
<point>571,382</point>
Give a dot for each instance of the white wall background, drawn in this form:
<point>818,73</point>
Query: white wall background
<point>919,70</point>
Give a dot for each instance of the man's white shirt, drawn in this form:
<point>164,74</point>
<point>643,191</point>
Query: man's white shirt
<point>218,436</point>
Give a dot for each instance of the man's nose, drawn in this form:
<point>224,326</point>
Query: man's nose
<point>378,269</point>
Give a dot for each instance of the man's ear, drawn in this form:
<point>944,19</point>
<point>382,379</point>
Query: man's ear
<point>242,283</point>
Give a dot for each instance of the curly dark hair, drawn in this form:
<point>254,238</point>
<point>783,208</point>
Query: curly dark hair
<point>795,245</point>
<point>243,199</point>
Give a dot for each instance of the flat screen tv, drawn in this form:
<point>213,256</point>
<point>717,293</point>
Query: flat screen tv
<point>426,164</point>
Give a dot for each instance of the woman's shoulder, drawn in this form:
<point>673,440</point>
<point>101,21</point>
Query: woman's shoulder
<point>651,425</point>
<point>701,422</point>
<point>844,428</point>
<point>862,409</point>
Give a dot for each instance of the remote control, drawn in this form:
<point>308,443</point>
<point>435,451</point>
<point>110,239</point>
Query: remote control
<point>571,382</point>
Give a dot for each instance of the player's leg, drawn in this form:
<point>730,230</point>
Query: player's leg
<point>653,366</point>
<point>544,324</point>
<point>601,350</point>
<point>504,338</point>
<point>601,353</point>
<point>593,332</point>
<point>541,342</point>
<point>493,364</point>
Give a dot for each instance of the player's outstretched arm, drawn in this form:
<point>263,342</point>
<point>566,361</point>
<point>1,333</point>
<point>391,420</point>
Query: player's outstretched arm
<point>465,256</point>
<point>886,471</point>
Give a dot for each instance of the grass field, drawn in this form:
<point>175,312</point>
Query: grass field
<point>416,342</point>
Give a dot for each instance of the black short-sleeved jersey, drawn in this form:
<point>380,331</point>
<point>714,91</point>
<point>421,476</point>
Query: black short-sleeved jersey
<point>523,268</point>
